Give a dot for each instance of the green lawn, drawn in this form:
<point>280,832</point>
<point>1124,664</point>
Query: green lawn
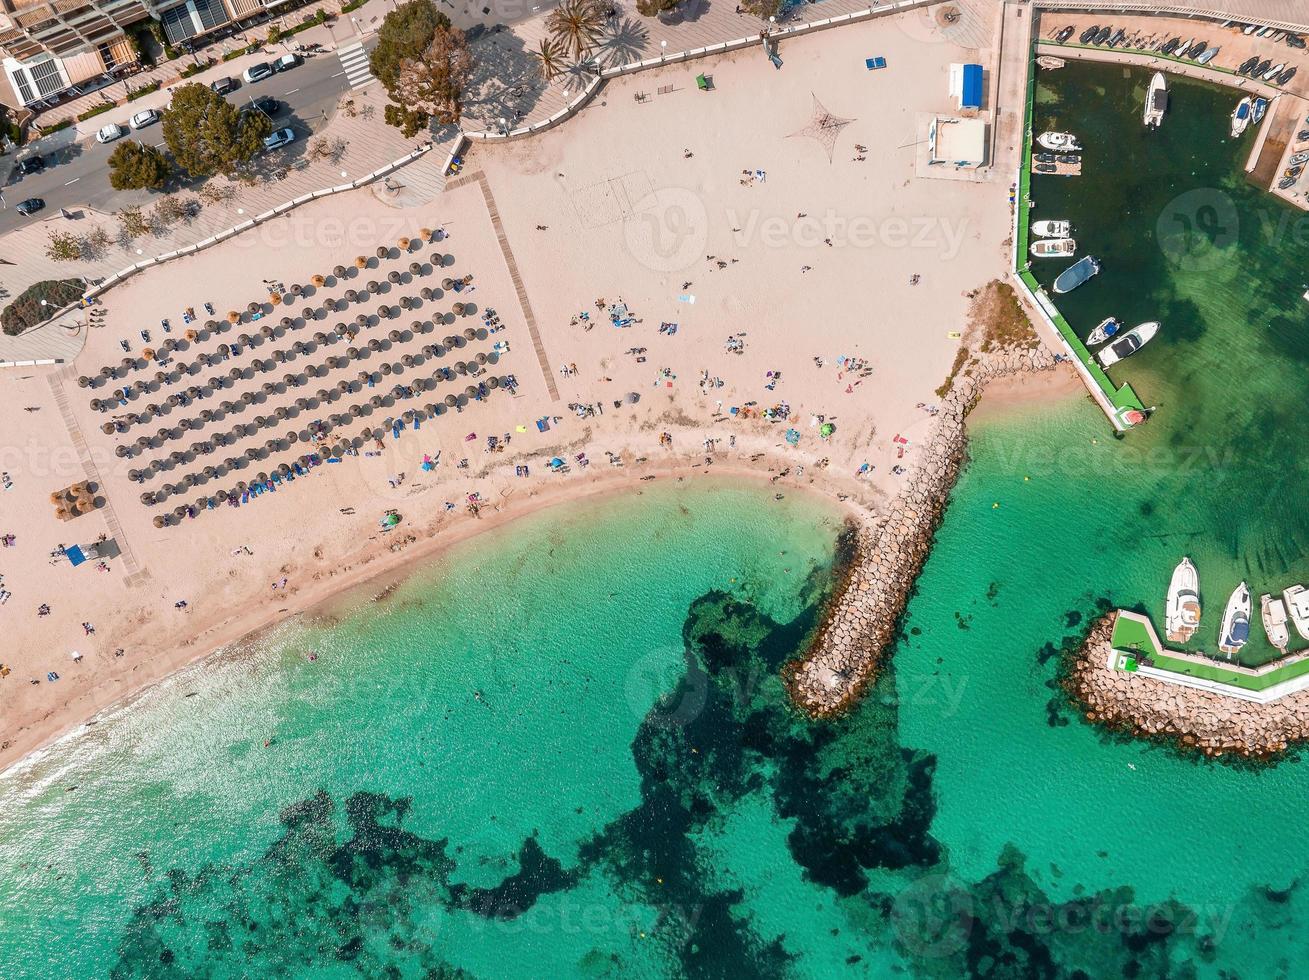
<point>1131,635</point>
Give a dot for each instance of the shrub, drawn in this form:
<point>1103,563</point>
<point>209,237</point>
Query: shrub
<point>408,121</point>
<point>96,110</point>
<point>137,93</point>
<point>26,311</point>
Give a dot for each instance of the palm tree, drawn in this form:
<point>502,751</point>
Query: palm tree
<point>549,57</point>
<point>576,25</point>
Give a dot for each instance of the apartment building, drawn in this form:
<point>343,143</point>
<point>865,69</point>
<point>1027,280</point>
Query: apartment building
<point>49,47</point>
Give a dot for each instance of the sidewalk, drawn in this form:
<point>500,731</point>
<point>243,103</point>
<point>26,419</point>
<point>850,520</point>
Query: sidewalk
<point>329,35</point>
<point>370,145</point>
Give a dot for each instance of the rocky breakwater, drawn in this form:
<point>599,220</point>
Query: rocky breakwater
<point>860,623</point>
<point>1189,718</point>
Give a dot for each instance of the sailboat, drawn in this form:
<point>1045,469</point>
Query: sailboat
<point>1050,229</point>
<point>1156,101</point>
<point>1273,612</point>
<point>1106,328</point>
<point>1182,611</point>
<point>1048,248</point>
<point>1297,602</point>
<point>1240,117</point>
<point>1128,344</point>
<point>1236,621</point>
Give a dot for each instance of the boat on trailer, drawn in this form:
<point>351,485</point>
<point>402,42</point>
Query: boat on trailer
<point>1076,274</point>
<point>1235,632</point>
<point>1156,101</point>
<point>1273,612</point>
<point>1182,610</point>
<point>1052,248</point>
<point>1297,604</point>
<point>1051,228</point>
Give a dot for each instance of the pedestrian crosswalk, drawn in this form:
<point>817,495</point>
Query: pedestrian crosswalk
<point>354,59</point>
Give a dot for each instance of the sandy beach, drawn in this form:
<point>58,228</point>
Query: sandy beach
<point>682,282</point>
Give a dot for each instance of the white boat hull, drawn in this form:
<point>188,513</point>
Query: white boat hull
<point>1297,605</point>
<point>1050,229</point>
<point>1235,632</point>
<point>1273,613</point>
<point>1120,347</point>
<point>1052,248</point>
<point>1182,606</point>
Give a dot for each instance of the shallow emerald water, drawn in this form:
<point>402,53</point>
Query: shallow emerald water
<point>564,750</point>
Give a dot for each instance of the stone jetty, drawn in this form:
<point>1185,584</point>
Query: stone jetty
<point>861,619</point>
<point>1191,719</point>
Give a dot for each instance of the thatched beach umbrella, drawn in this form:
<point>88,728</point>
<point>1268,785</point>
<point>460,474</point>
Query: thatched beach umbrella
<point>383,251</point>
<point>309,314</point>
<point>415,268</point>
<point>426,292</point>
<point>393,277</point>
<point>373,286</point>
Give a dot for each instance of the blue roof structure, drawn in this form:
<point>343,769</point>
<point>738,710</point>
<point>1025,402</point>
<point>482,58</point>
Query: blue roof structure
<point>75,556</point>
<point>972,93</point>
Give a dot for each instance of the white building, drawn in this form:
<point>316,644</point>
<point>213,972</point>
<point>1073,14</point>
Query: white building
<point>957,142</point>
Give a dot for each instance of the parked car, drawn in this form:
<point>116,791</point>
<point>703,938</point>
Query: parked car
<point>110,133</point>
<point>32,165</point>
<point>266,104</point>
<point>258,72</point>
<point>30,206</point>
<point>279,139</point>
<point>287,62</point>
<point>144,118</point>
<point>223,85</point>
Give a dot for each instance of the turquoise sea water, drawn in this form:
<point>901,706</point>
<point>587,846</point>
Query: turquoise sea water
<point>563,749</point>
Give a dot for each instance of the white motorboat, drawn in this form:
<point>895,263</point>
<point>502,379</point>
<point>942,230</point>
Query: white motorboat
<point>1106,328</point>
<point>1076,274</point>
<point>1273,72</point>
<point>1297,604</point>
<point>1207,57</point>
<point>1182,611</point>
<point>1050,229</point>
<point>1128,344</point>
<point>1240,117</point>
<point>1273,612</point>
<point>1050,248</point>
<point>1156,101</point>
<point>1235,631</point>
<point>1059,142</point>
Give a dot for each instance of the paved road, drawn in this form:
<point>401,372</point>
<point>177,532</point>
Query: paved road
<point>79,176</point>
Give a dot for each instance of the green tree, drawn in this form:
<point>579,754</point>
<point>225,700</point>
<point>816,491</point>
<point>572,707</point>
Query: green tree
<point>433,81</point>
<point>763,9</point>
<point>135,166</point>
<point>208,135</point>
<point>577,26</point>
<point>406,33</point>
<point>653,8</point>
<point>408,121</point>
<point>549,56</point>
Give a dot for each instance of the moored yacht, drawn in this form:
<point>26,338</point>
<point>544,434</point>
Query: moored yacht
<point>1297,603</point>
<point>1050,248</point>
<point>1106,328</point>
<point>1156,100</point>
<point>1051,229</point>
<point>1182,611</point>
<point>1240,117</point>
<point>1128,344</point>
<point>1059,142</point>
<point>1273,612</point>
<point>1076,274</point>
<point>1235,631</point>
